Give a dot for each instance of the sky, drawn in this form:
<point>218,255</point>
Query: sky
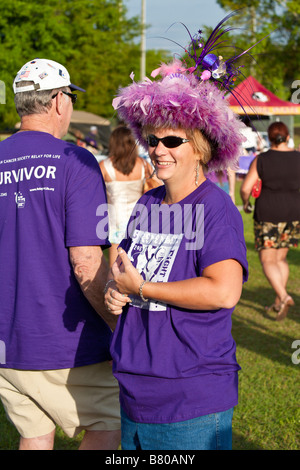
<point>161,14</point>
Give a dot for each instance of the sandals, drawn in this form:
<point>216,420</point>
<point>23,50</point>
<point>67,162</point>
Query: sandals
<point>273,308</point>
<point>284,308</point>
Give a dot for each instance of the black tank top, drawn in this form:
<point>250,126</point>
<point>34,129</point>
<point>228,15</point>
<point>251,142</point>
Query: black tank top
<point>279,200</point>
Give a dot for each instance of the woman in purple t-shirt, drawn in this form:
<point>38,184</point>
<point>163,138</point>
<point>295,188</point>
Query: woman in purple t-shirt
<point>180,269</point>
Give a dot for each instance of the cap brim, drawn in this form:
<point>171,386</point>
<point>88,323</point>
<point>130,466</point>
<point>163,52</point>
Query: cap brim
<point>74,87</point>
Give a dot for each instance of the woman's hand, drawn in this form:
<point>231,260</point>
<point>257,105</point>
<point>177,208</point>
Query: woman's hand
<point>247,207</point>
<point>114,301</point>
<point>126,276</point>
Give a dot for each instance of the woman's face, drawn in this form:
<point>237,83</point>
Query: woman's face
<point>176,164</point>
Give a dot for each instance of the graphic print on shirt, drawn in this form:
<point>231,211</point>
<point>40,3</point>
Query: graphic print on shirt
<point>20,200</point>
<point>36,178</point>
<point>153,255</point>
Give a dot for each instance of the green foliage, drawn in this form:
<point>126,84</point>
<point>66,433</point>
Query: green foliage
<point>277,57</point>
<point>94,39</point>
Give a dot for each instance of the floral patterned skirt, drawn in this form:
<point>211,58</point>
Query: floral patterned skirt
<point>281,235</point>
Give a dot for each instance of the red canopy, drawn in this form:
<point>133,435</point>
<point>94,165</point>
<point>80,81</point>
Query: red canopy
<point>256,99</point>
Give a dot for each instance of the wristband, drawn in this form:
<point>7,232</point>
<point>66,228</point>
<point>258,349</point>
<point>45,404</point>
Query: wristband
<point>141,292</point>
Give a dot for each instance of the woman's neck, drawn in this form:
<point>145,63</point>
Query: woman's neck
<point>283,147</point>
<point>173,195</point>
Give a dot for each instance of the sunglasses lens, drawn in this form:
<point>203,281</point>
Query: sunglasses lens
<point>152,141</point>
<point>73,97</point>
<point>172,141</point>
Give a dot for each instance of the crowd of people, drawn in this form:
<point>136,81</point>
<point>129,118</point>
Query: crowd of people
<point>136,351</point>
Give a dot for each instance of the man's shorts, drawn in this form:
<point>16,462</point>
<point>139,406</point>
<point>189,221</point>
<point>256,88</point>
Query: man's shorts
<point>74,399</point>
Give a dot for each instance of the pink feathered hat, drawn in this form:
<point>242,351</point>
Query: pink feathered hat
<point>189,98</point>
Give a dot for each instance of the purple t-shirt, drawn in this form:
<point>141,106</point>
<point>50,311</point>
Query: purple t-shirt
<point>49,194</point>
<point>175,364</point>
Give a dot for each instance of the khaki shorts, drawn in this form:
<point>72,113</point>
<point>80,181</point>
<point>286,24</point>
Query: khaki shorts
<point>74,399</point>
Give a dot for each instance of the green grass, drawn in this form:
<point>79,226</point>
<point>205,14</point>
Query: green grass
<point>268,414</point>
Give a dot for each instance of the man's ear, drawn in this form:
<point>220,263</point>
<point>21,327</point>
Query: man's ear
<point>59,102</point>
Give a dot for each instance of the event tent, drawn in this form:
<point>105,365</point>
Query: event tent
<point>250,98</point>
<point>83,120</point>
<point>258,100</point>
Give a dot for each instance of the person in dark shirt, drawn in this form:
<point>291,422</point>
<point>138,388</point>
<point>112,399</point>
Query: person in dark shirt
<point>277,211</point>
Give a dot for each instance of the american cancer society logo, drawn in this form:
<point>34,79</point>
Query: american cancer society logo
<point>20,200</point>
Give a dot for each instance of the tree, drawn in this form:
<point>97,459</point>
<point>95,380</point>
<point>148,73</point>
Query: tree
<point>94,39</point>
<point>277,57</point>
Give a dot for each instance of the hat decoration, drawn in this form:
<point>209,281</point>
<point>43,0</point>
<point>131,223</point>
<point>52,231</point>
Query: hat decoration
<point>44,74</point>
<point>189,98</point>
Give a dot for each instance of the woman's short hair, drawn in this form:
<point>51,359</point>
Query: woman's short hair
<point>201,145</point>
<point>34,102</point>
<point>278,133</point>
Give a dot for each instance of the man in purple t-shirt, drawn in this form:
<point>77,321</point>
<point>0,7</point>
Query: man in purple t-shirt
<point>54,330</point>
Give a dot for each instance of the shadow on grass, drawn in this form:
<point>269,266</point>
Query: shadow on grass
<point>240,443</point>
<point>263,296</point>
<point>64,443</point>
<point>260,333</point>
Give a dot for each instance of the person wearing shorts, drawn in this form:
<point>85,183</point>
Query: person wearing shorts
<point>82,398</point>
<point>277,212</point>
<point>54,329</point>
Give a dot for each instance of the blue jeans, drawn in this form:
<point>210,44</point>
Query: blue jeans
<point>209,432</point>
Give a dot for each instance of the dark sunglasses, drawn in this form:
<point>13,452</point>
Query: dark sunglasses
<point>171,141</point>
<point>71,95</point>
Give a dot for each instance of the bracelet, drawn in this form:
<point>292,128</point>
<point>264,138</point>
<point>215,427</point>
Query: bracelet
<point>106,286</point>
<point>141,292</point>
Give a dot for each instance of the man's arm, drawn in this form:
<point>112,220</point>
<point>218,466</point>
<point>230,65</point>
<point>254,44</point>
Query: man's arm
<point>91,270</point>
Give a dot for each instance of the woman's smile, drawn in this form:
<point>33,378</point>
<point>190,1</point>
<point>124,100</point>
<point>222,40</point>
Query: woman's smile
<point>161,163</point>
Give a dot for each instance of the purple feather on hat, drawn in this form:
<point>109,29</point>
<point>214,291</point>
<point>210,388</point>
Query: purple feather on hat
<point>189,98</point>
<point>181,101</point>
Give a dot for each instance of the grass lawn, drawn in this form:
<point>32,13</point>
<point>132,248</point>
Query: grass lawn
<point>268,414</point>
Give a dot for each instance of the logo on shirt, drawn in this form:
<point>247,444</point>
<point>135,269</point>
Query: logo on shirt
<point>20,200</point>
<point>153,255</point>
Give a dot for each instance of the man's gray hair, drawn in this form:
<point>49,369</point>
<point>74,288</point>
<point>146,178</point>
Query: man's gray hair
<point>34,102</point>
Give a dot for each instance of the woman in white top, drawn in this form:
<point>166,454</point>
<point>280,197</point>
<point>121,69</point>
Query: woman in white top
<point>124,175</point>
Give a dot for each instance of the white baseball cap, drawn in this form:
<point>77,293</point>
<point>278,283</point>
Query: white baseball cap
<point>46,75</point>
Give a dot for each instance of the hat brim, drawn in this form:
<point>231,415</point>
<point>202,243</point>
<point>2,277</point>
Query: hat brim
<point>74,87</point>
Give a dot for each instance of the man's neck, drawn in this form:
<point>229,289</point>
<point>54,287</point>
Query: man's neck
<point>39,122</point>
